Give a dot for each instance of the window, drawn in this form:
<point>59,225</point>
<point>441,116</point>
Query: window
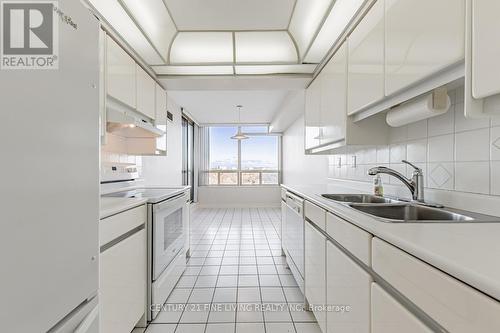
<point>250,162</point>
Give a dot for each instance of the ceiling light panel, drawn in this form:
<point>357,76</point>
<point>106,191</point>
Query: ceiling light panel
<point>264,47</point>
<point>307,18</point>
<point>119,20</point>
<point>231,15</point>
<point>343,11</point>
<point>202,48</point>
<point>155,21</point>
<point>193,70</point>
<point>275,69</point>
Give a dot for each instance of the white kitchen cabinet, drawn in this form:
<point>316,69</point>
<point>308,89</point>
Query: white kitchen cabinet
<point>312,114</point>
<point>160,105</point>
<point>121,74</point>
<point>485,52</point>
<point>327,124</point>
<point>389,316</point>
<point>146,93</point>
<point>366,60</point>
<point>422,38</point>
<point>122,270</point>
<point>315,273</point>
<point>123,284</point>
<point>347,285</point>
<point>333,81</point>
<point>353,239</point>
<point>451,303</point>
<point>482,87</point>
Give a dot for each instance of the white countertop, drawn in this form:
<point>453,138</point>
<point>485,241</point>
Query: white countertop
<point>111,206</point>
<point>468,251</point>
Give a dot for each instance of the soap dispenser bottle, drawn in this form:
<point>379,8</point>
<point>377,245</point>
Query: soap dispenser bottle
<point>378,188</point>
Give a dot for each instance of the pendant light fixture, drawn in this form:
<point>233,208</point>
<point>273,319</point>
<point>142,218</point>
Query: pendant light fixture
<point>239,135</point>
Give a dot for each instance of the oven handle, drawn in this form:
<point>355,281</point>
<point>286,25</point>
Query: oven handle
<point>169,201</point>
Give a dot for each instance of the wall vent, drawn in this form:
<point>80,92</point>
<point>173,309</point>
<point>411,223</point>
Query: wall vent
<point>170,116</point>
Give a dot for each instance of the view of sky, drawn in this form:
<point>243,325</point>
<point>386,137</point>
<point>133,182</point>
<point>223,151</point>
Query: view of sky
<point>257,152</point>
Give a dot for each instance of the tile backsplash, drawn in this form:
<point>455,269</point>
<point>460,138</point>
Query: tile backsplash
<point>456,153</point>
<point>113,152</point>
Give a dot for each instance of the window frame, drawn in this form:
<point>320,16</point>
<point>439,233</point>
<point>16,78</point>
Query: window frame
<point>239,171</point>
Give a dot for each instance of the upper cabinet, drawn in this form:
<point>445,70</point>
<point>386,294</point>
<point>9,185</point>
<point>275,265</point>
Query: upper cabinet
<point>121,74</point>
<point>482,69</point>
<point>160,105</point>
<point>327,124</point>
<point>422,38</point>
<point>366,60</point>
<point>145,93</point>
<point>333,80</point>
<point>312,115</point>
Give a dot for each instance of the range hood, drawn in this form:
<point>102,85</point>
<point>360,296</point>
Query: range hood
<point>125,122</point>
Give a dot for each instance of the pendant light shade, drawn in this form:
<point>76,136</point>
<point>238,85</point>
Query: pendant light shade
<point>239,135</point>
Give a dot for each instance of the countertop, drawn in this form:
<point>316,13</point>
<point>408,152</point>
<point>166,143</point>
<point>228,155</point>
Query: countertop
<point>469,252</point>
<point>111,206</point>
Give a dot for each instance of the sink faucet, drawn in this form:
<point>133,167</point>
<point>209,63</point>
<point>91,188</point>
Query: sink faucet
<point>415,183</point>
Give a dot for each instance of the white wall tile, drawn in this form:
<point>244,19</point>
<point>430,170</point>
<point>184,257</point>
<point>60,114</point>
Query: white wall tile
<point>495,121</point>
<point>398,134</point>
<point>495,178</point>
<point>417,130</point>
<point>441,175</point>
<point>466,124</point>
<point>472,177</point>
<point>417,151</point>
<point>441,148</point>
<point>383,154</point>
<point>397,153</point>
<point>495,144</point>
<point>472,145</point>
<point>443,124</point>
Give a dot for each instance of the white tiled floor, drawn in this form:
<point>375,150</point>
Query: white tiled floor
<point>236,268</point>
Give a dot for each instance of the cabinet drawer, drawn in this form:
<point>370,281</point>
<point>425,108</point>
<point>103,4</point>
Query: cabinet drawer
<point>355,240</point>
<point>283,194</point>
<point>315,214</point>
<point>114,226</point>
<point>454,305</point>
<point>388,316</point>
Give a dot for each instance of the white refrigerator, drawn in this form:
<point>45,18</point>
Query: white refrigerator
<point>49,168</point>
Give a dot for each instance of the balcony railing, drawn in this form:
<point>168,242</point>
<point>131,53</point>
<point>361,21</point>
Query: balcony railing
<point>240,177</point>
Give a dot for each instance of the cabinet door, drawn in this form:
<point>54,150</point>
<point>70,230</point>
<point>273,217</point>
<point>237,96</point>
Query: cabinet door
<point>120,74</point>
<point>160,105</point>
<point>315,273</point>
<point>145,93</point>
<point>334,97</point>
<point>347,285</point>
<point>485,52</point>
<point>366,60</point>
<point>122,284</point>
<point>312,114</point>
<point>388,316</point>
<point>422,37</point>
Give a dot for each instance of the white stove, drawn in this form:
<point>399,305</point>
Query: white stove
<point>153,194</point>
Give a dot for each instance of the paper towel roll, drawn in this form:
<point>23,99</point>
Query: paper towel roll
<point>420,108</point>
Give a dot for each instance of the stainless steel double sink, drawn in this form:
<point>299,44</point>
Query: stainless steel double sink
<point>395,210</point>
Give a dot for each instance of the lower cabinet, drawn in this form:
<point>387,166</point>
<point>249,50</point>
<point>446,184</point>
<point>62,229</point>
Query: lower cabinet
<point>348,293</point>
<point>122,270</point>
<point>315,273</point>
<point>388,316</point>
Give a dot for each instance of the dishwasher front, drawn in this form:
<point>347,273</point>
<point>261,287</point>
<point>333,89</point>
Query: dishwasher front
<point>294,237</point>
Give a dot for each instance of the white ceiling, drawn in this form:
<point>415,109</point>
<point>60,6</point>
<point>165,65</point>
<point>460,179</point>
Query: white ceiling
<point>231,14</point>
<point>219,107</point>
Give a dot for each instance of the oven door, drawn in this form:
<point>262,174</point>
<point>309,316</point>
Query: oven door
<point>168,232</point>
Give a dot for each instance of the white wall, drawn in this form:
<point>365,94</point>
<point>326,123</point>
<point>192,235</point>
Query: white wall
<point>167,170</point>
<point>239,196</point>
<point>299,168</point>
